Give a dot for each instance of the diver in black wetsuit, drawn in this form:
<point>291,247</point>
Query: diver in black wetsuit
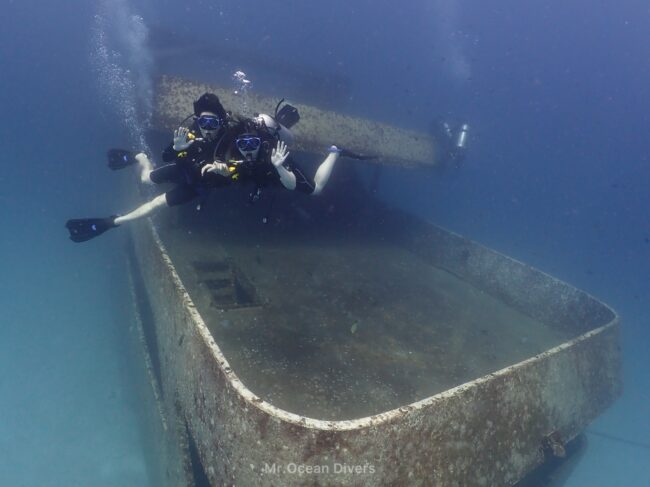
<point>258,155</point>
<point>205,142</point>
<point>189,153</point>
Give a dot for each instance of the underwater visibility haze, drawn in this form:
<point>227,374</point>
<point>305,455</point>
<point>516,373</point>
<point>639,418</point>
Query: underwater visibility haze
<point>554,173</point>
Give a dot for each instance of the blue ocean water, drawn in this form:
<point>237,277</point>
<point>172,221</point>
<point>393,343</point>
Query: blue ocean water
<point>556,95</point>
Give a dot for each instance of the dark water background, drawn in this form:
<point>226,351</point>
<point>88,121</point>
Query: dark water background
<point>557,175</point>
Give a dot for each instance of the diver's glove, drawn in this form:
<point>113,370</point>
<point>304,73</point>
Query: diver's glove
<point>220,168</point>
<point>279,154</point>
<point>181,139</point>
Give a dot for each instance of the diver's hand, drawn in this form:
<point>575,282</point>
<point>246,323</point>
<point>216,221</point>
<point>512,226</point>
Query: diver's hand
<point>279,154</point>
<point>220,168</point>
<point>181,141</point>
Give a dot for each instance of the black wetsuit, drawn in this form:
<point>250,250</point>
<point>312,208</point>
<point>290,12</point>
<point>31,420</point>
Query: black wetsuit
<point>184,168</point>
<point>261,173</point>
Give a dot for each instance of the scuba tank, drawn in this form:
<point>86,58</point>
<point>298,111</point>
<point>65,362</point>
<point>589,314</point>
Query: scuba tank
<point>280,124</point>
<point>461,140</point>
<point>275,128</point>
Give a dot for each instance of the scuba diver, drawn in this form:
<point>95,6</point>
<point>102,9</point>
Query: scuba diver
<point>259,155</point>
<point>452,143</point>
<point>205,141</point>
<point>228,151</point>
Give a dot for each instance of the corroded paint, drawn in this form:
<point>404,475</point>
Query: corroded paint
<point>490,431</point>
<point>316,131</point>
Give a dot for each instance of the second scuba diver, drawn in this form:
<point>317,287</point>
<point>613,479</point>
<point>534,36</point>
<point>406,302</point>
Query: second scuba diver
<point>203,143</point>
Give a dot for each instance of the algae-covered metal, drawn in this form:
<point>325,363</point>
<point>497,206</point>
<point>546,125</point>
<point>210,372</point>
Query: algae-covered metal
<point>316,131</point>
<point>488,431</point>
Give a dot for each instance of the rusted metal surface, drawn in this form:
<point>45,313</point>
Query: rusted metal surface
<point>522,287</point>
<point>317,130</point>
<point>490,431</point>
<point>168,463</point>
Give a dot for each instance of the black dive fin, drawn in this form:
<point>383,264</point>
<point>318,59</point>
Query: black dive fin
<point>86,228</point>
<point>287,116</point>
<point>353,155</point>
<point>120,158</point>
